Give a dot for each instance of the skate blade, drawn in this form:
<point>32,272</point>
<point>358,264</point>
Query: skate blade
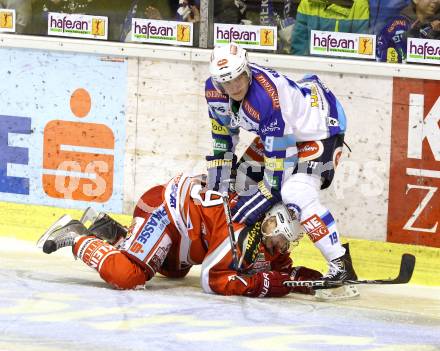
<point>89,215</point>
<point>61,222</point>
<point>345,292</point>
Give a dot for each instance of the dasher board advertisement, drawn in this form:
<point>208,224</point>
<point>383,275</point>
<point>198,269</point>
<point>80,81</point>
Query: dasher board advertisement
<point>247,36</point>
<point>77,26</point>
<point>62,129</point>
<point>162,32</point>
<point>339,44</point>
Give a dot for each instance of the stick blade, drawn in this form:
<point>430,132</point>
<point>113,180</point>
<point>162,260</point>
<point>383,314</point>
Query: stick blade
<point>406,268</point>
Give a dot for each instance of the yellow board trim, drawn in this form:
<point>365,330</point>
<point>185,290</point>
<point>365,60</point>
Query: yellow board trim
<point>371,259</point>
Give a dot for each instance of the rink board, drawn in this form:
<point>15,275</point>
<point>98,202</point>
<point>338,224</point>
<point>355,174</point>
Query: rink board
<point>152,101</point>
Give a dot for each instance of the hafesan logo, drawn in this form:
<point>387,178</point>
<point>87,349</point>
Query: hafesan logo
<point>162,32</point>
<point>183,32</point>
<point>98,27</point>
<point>266,37</point>
<point>6,19</point>
<point>247,36</point>
<point>365,46</point>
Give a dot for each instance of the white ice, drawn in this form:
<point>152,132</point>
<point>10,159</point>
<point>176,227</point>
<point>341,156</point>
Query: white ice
<point>54,303</point>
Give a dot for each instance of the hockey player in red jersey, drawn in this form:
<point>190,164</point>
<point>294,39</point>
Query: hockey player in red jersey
<point>176,226</point>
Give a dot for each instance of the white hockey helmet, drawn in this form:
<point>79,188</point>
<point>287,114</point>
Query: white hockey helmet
<point>285,224</point>
<point>227,63</point>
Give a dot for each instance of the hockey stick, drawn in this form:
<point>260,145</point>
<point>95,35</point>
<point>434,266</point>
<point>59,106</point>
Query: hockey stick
<point>232,241</point>
<point>406,270</point>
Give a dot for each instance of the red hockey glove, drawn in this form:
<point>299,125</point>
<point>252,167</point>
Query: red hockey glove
<point>268,284</point>
<point>303,273</point>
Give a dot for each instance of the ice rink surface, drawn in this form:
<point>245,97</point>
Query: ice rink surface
<point>54,303</point>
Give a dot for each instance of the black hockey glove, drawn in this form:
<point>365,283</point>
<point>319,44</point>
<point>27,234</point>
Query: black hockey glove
<point>222,171</point>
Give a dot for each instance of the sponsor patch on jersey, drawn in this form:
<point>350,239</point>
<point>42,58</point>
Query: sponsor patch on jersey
<point>270,90</point>
<point>255,151</point>
<point>332,122</point>
<point>217,128</point>
<point>271,128</point>
<point>310,150</point>
<point>260,264</point>
<point>173,192</point>
<point>220,145</point>
<point>157,259</point>
<point>249,241</point>
<point>315,228</point>
<point>150,232</point>
<point>136,223</point>
<point>274,164</point>
<point>214,94</point>
<point>250,110</point>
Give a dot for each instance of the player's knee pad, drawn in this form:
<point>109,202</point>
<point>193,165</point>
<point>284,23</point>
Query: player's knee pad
<point>122,273</point>
<point>112,265</point>
<point>299,192</point>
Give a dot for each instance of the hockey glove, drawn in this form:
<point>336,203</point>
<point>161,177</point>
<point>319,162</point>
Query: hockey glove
<point>303,273</point>
<point>250,208</point>
<point>268,284</point>
<point>222,171</point>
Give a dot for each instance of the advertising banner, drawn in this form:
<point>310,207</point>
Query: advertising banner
<point>77,26</point>
<point>350,45</point>
<point>414,202</point>
<point>7,20</point>
<point>252,37</point>
<point>62,129</point>
<point>423,51</point>
<point>162,32</point>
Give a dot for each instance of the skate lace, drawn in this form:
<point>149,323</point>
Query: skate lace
<point>334,269</point>
<point>63,240</point>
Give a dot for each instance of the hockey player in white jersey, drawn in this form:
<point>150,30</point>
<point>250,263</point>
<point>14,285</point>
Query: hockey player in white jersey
<point>300,127</point>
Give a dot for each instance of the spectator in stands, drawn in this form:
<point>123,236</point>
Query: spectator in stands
<point>381,11</point>
<point>328,15</point>
<point>280,14</point>
<point>188,11</point>
<point>151,9</point>
<point>229,11</point>
<point>23,13</point>
<point>420,19</point>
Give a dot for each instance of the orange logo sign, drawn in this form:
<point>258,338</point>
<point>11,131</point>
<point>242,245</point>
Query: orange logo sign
<point>266,37</point>
<point>365,46</point>
<point>183,33</point>
<point>98,27</point>
<point>6,20</point>
<point>89,173</point>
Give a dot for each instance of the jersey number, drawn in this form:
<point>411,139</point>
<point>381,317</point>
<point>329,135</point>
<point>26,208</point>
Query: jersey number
<point>211,198</point>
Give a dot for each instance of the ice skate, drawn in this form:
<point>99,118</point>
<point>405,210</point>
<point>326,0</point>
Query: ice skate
<point>89,216</point>
<point>340,268</point>
<point>61,234</point>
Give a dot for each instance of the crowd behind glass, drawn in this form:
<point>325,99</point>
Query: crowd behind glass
<point>392,21</point>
